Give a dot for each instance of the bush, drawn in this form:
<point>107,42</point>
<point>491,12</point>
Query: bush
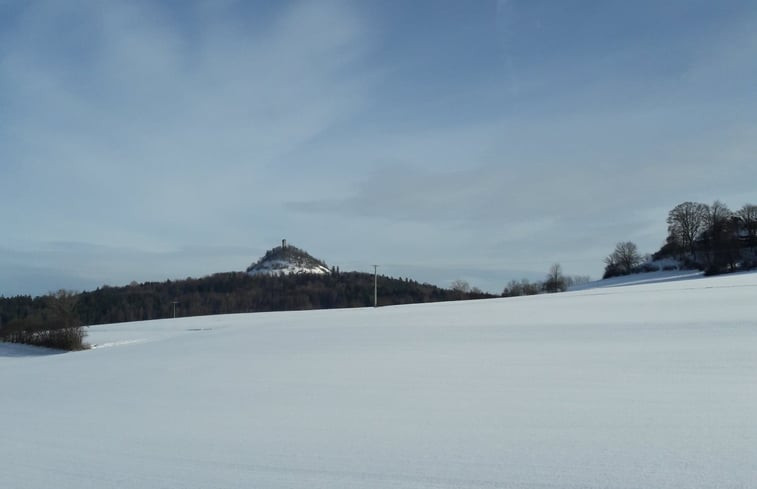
<point>612,270</point>
<point>69,339</point>
<point>689,264</point>
<point>713,270</point>
<point>524,287</point>
<point>646,267</point>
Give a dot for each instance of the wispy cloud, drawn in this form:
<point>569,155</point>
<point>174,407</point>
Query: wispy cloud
<point>164,126</point>
<point>44,267</point>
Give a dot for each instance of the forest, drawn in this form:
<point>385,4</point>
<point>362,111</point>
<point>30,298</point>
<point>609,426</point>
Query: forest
<point>29,319</point>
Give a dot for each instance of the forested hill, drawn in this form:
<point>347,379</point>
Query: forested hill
<point>235,292</point>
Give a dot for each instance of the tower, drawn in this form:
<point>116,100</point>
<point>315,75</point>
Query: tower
<point>283,243</point>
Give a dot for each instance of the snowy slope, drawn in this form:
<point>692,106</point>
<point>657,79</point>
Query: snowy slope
<point>651,386</point>
<point>640,278</point>
<point>287,259</point>
<point>285,267</point>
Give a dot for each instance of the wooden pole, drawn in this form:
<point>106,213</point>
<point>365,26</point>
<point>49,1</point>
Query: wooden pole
<point>375,285</point>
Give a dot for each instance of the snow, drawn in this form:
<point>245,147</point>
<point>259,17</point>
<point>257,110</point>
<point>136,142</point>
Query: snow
<point>647,386</point>
<point>640,278</point>
<point>284,267</point>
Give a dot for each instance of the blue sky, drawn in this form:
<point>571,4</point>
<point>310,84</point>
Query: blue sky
<point>443,140</point>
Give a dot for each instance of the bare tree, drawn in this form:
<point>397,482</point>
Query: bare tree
<point>628,255</point>
<point>748,216</point>
<point>717,215</point>
<point>686,222</point>
<point>523,287</point>
<point>460,285</point>
<point>577,280</point>
<point>719,238</point>
<point>555,281</point>
<point>623,260</point>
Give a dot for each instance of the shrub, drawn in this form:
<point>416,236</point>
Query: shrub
<point>690,264</point>
<point>713,270</point>
<point>524,287</point>
<point>612,270</point>
<point>69,339</point>
<point>646,267</point>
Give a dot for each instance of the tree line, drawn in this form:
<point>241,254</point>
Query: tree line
<point>26,318</point>
<point>555,281</point>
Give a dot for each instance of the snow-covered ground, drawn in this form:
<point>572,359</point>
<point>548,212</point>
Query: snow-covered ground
<point>640,278</point>
<point>285,267</point>
<point>649,386</point>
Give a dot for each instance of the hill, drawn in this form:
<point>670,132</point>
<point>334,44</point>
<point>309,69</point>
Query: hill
<point>234,292</point>
<point>287,259</point>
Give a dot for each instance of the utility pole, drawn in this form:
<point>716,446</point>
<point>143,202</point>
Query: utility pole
<point>174,308</point>
<point>375,285</point>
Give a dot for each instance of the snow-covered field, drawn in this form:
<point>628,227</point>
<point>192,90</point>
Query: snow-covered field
<point>640,278</point>
<point>644,386</point>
